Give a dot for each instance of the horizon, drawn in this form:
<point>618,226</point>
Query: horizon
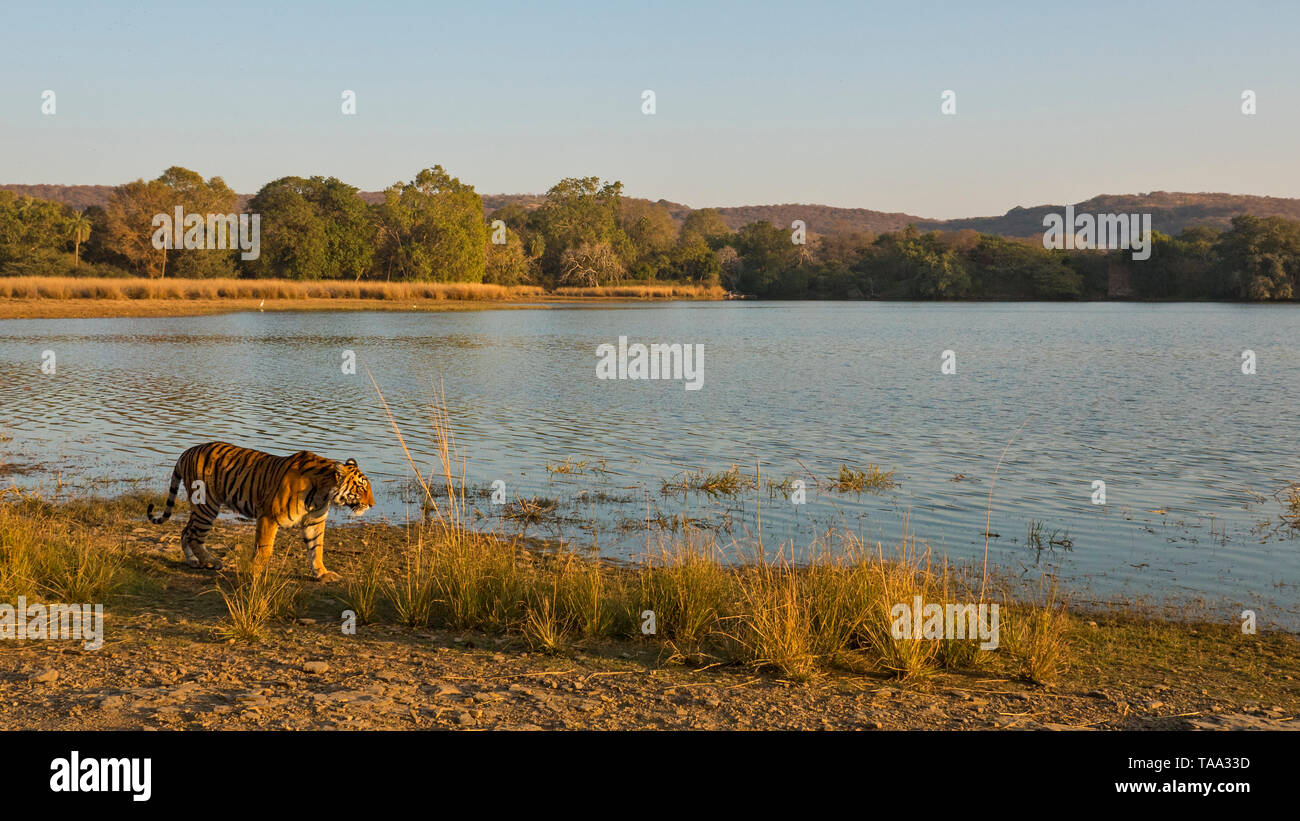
<point>834,105</point>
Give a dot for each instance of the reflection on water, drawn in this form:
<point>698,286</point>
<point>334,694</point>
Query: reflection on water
<point>1149,399</point>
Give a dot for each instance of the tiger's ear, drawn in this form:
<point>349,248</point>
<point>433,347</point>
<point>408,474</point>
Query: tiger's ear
<point>351,463</point>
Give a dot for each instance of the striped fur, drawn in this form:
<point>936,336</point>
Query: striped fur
<point>277,491</point>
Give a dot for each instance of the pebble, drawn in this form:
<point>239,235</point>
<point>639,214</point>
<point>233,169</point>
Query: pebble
<point>315,667</point>
<point>47,677</point>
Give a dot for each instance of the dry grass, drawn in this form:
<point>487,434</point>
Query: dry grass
<point>254,599</point>
<point>49,557</point>
<point>363,587</point>
<point>190,289</point>
<point>1035,636</point>
<point>665,290</point>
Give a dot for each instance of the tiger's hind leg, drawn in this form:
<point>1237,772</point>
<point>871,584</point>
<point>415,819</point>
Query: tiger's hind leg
<point>313,538</point>
<point>195,532</point>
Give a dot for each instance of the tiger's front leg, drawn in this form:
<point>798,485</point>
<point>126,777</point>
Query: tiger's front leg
<point>313,538</point>
<point>266,530</point>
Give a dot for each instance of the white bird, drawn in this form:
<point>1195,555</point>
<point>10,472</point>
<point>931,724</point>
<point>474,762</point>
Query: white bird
<point>259,307</point>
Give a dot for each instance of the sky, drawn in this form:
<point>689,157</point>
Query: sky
<point>755,103</point>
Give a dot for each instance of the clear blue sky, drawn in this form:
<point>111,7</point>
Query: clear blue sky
<point>834,103</point>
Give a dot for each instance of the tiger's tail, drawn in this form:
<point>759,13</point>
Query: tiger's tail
<point>171,499</point>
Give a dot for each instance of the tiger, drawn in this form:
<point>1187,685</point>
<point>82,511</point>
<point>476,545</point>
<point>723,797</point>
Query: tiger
<point>277,491</point>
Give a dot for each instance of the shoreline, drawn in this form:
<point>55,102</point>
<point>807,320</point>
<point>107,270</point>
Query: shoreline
<point>128,308</point>
<point>99,297</point>
<point>110,308</point>
<point>169,661</point>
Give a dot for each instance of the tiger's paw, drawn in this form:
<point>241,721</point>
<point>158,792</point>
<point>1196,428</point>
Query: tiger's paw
<point>328,576</point>
<point>205,564</point>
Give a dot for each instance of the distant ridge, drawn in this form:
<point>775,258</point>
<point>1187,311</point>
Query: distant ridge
<point>1171,211</point>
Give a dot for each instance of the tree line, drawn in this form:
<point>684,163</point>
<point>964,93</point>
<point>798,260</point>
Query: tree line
<point>585,232</point>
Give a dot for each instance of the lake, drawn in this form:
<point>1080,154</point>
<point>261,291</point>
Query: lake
<point>1150,399</point>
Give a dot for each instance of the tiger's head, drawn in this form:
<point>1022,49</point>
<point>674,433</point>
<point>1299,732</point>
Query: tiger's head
<point>352,488</point>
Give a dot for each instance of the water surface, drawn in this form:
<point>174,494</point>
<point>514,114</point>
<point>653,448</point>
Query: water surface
<point>1150,399</point>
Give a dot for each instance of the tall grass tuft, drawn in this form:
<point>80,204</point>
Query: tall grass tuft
<point>363,587</point>
<point>254,599</point>
<point>900,579</point>
<point>53,558</point>
<point>1034,635</point>
<point>688,588</point>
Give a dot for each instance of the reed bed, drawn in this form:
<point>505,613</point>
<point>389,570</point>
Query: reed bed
<point>138,289</point>
<point>662,290</point>
<point>128,288</point>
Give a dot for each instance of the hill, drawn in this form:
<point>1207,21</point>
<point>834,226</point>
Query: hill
<point>1171,211</point>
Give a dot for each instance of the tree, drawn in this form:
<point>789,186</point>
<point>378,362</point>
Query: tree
<point>706,224</point>
<point>590,264</point>
<point>695,261</point>
<point>129,224</point>
<point>432,229</point>
<point>315,228</point>
<point>649,227</point>
<point>766,255</point>
<point>1259,258</point>
<point>294,242</point>
<point>508,263</point>
<point>578,211</point>
<point>30,226</point>
<point>80,228</point>
<point>349,228</point>
<point>1004,268</point>
<point>128,232</point>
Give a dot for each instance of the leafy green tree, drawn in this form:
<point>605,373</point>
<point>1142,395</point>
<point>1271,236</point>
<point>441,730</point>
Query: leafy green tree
<point>294,244</point>
<point>508,263</point>
<point>695,261</point>
<point>315,228</point>
<point>1004,268</point>
<point>706,224</point>
<point>580,211</point>
<point>766,255</point>
<point>431,229</point>
<point>649,228</point>
<point>29,226</point>
<point>1259,258</point>
<point>349,229</point>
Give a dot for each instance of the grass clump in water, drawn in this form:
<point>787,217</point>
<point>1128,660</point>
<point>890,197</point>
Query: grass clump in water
<point>857,481</point>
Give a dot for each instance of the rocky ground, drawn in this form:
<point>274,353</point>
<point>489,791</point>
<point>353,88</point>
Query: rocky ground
<point>173,675</point>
